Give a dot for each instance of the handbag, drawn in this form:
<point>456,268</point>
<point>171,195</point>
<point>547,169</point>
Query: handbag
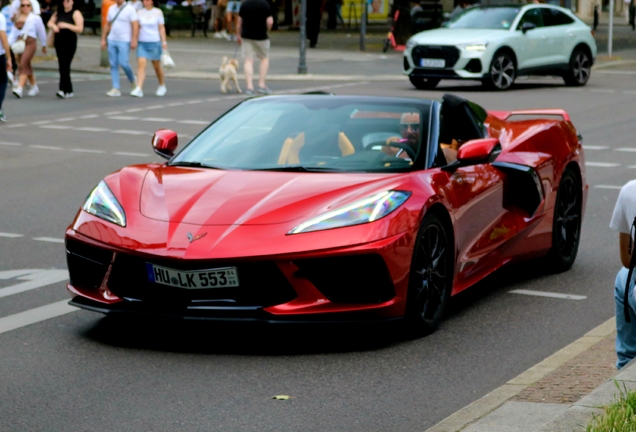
<point>18,46</point>
<point>166,60</point>
<point>50,39</point>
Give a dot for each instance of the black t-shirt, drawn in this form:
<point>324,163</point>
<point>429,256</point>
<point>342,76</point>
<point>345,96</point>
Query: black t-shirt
<point>254,14</point>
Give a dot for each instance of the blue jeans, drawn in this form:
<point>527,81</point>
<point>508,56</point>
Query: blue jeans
<point>118,54</point>
<point>625,332</point>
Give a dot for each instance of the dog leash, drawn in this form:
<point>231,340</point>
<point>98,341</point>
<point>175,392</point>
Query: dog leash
<point>236,51</point>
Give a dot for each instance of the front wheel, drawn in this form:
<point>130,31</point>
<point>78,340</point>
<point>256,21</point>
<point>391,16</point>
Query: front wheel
<point>579,69</point>
<point>502,72</point>
<point>566,227</point>
<point>431,278</point>
<point>422,83</point>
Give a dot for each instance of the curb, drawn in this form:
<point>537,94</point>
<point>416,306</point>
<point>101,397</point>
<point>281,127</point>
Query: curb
<point>493,400</point>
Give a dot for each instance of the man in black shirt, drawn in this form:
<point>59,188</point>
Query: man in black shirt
<point>255,20</point>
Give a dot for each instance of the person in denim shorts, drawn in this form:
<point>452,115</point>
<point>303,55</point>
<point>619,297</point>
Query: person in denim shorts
<point>231,18</point>
<point>152,41</point>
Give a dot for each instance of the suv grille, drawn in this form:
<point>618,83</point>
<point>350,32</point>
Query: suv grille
<point>448,53</point>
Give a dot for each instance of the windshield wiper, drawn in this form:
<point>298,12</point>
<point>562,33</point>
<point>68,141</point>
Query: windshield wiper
<point>192,164</point>
<point>295,168</point>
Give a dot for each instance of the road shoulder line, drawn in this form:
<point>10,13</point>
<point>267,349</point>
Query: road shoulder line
<point>497,397</point>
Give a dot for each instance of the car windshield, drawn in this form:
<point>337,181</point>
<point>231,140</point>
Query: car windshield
<point>313,133</point>
<point>485,18</point>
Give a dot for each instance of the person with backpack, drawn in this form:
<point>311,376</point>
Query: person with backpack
<point>623,220</point>
<point>122,29</point>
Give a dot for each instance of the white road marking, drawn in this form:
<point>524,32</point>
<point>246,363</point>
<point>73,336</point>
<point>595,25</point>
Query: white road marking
<point>132,154</point>
<point>629,92</point>
<point>89,116</point>
<point>157,119</point>
<point>87,150</point>
<point>155,107</point>
<point>131,132</point>
<point>548,294</point>
<point>134,109</point>
<point>196,101</point>
<point>49,239</point>
<point>603,91</point>
<point>194,122</point>
<point>56,127</point>
<point>41,122</point>
<point>592,147</point>
<point>112,113</point>
<point>626,149</point>
<point>91,129</point>
<point>65,119</point>
<point>33,316</point>
<point>36,279</point>
<point>10,235</point>
<point>601,164</point>
<point>16,125</point>
<point>174,104</point>
<point>123,118</point>
<point>632,166</point>
<point>212,99</point>
<point>608,187</point>
<point>13,144</point>
<point>10,274</point>
<point>42,147</point>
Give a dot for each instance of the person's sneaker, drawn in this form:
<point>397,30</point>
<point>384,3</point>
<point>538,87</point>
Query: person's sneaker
<point>10,77</point>
<point>249,92</point>
<point>161,90</point>
<point>114,92</point>
<point>17,92</point>
<point>136,92</point>
<point>224,34</point>
<point>263,90</point>
<point>68,95</point>
<point>2,117</point>
<point>233,38</point>
<point>217,35</point>
<point>60,94</point>
<point>33,90</point>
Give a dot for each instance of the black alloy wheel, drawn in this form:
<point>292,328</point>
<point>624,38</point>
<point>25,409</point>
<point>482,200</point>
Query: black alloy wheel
<point>422,83</point>
<point>431,278</point>
<point>566,228</point>
<point>502,72</point>
<point>580,68</point>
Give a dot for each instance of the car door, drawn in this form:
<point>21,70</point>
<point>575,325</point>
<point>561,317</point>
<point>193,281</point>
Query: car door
<point>561,34</point>
<point>534,45</point>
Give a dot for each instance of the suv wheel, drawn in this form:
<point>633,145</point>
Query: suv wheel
<point>502,72</point>
<point>580,68</point>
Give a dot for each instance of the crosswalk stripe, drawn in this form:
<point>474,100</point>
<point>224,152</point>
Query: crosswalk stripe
<point>49,239</point>
<point>548,294</point>
<point>601,164</point>
<point>32,316</point>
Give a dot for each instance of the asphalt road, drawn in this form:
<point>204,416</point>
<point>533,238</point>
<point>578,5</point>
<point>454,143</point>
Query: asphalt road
<point>82,372</point>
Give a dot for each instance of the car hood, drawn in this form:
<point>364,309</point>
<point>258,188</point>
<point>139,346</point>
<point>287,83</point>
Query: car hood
<point>446,36</point>
<point>218,197</point>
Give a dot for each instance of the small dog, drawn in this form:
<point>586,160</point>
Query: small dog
<point>228,74</point>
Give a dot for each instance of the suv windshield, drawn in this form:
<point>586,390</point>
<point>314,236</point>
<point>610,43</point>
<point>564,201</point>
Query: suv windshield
<point>485,18</point>
<point>313,133</point>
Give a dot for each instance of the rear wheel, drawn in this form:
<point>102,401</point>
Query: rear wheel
<point>422,83</point>
<point>502,72</point>
<point>431,277</point>
<point>566,227</point>
<point>580,68</point>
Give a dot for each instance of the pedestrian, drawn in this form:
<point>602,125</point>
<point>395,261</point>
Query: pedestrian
<point>5,62</point>
<point>626,9</point>
<point>314,14</point>
<point>219,19</point>
<point>7,12</point>
<point>622,219</point>
<point>231,19</point>
<point>254,21</point>
<point>632,15</point>
<point>122,29</point>
<point>152,41</point>
<point>136,4</point>
<point>15,8</point>
<point>66,23</point>
<point>27,26</point>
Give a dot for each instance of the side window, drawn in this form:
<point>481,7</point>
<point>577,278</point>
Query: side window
<point>553,17</point>
<point>533,16</point>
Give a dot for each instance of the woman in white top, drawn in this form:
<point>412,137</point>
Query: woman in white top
<point>152,40</point>
<point>29,25</point>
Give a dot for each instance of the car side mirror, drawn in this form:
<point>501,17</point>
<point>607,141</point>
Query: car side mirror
<point>476,150</point>
<point>527,26</point>
<point>165,142</point>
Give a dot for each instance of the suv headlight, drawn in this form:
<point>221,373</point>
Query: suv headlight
<point>102,203</point>
<point>362,211</point>
<point>410,43</point>
<point>475,46</point>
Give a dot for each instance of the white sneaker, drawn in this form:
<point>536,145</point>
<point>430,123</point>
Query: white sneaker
<point>136,92</point>
<point>68,95</point>
<point>114,92</point>
<point>161,90</point>
<point>224,34</point>
<point>17,92</point>
<point>60,94</point>
<point>11,78</point>
<point>33,90</point>
<point>217,35</point>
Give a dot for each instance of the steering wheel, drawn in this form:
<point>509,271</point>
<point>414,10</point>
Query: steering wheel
<point>401,145</point>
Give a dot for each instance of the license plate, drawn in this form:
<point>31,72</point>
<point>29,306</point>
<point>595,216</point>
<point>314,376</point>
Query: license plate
<point>226,277</point>
<point>436,63</point>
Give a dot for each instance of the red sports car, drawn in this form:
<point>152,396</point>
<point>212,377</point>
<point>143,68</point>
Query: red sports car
<point>330,208</point>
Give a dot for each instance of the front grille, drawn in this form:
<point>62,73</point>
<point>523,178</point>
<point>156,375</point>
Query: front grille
<point>260,283</point>
<point>351,279</point>
<point>449,53</point>
<point>87,264</point>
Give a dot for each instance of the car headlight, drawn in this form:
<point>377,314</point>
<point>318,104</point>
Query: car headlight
<point>410,43</point>
<point>102,203</point>
<point>475,46</point>
<point>365,210</point>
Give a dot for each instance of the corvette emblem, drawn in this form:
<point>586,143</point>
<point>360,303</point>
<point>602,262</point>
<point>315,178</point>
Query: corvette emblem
<point>194,238</point>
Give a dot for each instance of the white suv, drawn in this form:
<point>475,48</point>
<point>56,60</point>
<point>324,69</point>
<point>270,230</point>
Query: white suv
<point>495,44</point>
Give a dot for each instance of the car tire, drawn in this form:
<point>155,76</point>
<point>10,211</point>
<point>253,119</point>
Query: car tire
<point>579,69</point>
<point>501,73</point>
<point>566,225</point>
<point>431,277</point>
<point>422,83</point>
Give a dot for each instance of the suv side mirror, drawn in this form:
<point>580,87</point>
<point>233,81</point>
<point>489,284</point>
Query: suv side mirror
<point>477,150</point>
<point>165,142</point>
<point>527,26</point>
